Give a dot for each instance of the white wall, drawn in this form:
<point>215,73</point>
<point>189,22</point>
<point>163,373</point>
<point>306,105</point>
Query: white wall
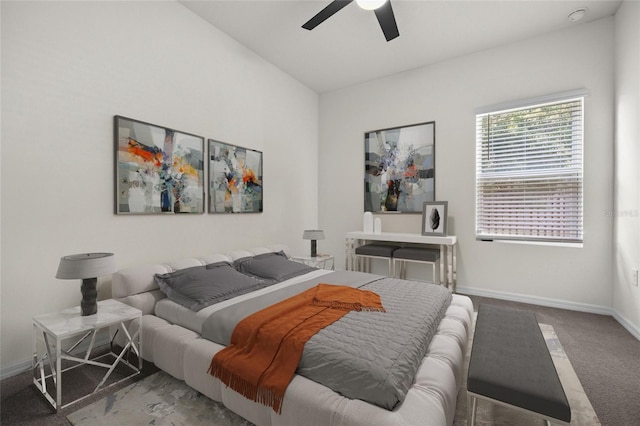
<point>67,69</point>
<point>626,297</point>
<point>449,92</point>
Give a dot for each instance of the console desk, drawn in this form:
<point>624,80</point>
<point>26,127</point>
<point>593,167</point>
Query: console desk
<point>447,245</point>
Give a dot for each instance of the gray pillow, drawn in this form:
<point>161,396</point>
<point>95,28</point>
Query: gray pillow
<point>201,286</point>
<point>272,267</point>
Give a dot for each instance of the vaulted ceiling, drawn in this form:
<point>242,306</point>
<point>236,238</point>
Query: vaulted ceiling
<point>349,48</point>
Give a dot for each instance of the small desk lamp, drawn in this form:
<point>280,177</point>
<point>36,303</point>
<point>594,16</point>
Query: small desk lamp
<point>313,235</point>
<point>87,266</point>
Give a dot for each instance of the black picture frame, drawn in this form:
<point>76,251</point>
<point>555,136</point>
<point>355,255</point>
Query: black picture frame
<point>236,183</point>
<point>158,170</point>
<point>399,171</point>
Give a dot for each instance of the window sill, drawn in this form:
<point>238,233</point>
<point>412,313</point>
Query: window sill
<point>540,243</point>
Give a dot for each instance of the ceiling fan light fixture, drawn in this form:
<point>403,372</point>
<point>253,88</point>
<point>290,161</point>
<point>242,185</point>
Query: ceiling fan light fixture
<point>381,8</point>
<point>370,4</point>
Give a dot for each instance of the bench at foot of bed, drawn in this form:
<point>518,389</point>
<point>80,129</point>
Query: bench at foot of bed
<point>510,365</point>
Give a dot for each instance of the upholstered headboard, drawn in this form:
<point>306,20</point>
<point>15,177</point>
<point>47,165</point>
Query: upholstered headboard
<point>136,286</point>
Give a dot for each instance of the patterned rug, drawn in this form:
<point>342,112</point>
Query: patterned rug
<point>159,399</point>
<point>163,400</point>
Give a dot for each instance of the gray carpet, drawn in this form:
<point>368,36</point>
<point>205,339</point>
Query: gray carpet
<point>605,357</point>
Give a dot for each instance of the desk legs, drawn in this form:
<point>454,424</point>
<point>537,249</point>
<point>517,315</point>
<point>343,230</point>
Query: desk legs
<point>444,280</point>
<point>350,254</point>
<point>454,266</point>
<point>451,261</point>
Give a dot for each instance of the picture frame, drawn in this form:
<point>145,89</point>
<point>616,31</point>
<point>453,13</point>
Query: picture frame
<point>399,173</point>
<point>434,218</point>
<point>235,179</point>
<point>158,170</point>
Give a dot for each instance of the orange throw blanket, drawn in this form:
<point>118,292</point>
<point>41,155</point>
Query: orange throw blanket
<point>266,347</point>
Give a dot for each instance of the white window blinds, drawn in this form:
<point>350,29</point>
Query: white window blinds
<point>529,172</point>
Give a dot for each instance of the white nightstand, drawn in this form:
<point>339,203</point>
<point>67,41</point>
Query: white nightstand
<point>324,261</point>
<point>51,330</point>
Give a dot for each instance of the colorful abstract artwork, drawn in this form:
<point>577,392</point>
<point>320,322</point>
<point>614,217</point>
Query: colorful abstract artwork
<point>158,170</point>
<point>235,179</point>
<point>399,168</point>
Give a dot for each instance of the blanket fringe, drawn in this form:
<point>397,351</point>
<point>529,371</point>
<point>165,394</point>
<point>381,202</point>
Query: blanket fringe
<point>249,390</point>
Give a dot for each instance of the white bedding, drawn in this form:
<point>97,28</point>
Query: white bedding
<point>191,320</point>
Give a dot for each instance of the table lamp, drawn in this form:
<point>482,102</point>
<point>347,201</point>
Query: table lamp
<point>313,235</point>
<point>88,267</point>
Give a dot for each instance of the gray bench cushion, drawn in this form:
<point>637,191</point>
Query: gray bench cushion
<point>510,362</point>
<point>381,250</point>
<point>416,253</point>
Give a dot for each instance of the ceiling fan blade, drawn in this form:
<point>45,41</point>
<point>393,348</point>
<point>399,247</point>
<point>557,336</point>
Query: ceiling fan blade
<point>387,21</point>
<point>325,13</point>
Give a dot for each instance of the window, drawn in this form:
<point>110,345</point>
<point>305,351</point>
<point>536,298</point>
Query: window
<point>529,170</point>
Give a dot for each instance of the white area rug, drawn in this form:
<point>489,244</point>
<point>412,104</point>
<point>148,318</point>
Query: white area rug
<point>159,399</point>
<point>163,400</point>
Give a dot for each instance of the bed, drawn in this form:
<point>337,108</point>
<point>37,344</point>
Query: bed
<point>173,338</point>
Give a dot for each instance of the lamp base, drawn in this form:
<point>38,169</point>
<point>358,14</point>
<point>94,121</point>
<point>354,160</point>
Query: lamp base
<point>314,248</point>
<point>89,306</point>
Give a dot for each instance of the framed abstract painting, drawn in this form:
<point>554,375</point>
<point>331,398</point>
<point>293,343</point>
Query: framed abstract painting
<point>158,170</point>
<point>235,179</point>
<point>399,173</point>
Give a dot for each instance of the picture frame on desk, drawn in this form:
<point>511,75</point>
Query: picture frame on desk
<point>434,218</point>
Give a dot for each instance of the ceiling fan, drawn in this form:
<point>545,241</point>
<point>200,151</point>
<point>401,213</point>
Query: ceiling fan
<point>382,9</point>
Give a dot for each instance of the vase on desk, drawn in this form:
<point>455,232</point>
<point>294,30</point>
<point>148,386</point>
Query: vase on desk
<point>367,222</point>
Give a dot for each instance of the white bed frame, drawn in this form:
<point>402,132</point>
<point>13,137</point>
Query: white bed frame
<point>184,354</point>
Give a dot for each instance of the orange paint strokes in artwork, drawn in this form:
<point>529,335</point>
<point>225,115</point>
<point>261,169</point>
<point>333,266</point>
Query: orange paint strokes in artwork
<point>233,186</point>
<point>185,168</point>
<point>139,151</point>
<point>248,176</point>
<point>410,171</point>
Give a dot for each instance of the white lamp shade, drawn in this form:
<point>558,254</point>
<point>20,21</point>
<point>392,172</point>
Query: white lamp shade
<point>86,265</point>
<point>313,234</point>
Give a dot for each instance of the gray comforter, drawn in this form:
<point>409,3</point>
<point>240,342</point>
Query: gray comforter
<point>372,356</point>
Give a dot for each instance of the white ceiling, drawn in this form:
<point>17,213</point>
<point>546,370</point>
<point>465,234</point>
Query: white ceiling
<point>349,48</point>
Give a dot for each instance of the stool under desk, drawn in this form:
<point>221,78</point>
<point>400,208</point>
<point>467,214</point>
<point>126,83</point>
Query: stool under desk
<point>447,245</point>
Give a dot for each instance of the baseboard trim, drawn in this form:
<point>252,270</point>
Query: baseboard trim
<point>26,365</point>
<point>631,328</point>
<point>554,303</point>
<point>537,300</point>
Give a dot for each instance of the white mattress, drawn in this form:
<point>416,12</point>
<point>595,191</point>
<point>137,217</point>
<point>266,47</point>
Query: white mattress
<point>185,317</point>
